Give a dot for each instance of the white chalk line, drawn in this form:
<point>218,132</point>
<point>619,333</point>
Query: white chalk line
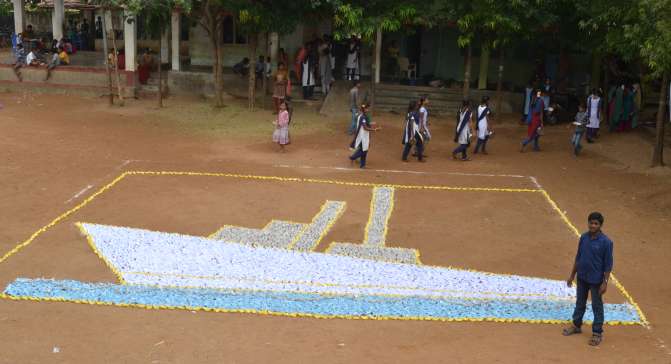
<point>399,171</point>
<point>535,182</point>
<point>78,194</point>
<point>89,187</point>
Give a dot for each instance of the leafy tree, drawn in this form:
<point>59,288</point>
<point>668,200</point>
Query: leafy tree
<point>106,6</point>
<point>495,24</point>
<point>157,18</point>
<point>259,17</point>
<point>637,29</point>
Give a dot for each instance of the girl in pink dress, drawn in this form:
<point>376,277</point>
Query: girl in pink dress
<point>281,134</point>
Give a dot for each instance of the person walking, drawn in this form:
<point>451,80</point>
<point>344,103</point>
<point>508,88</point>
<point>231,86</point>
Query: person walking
<point>535,128</point>
<point>593,264</point>
<point>411,133</point>
<point>463,131</point>
<point>424,123</point>
<point>482,126</point>
<point>361,141</point>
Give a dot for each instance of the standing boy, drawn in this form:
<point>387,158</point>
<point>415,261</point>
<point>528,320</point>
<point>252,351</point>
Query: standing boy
<point>581,120</point>
<point>593,264</point>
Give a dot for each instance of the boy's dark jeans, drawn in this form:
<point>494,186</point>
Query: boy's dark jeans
<point>361,155</point>
<point>581,304</point>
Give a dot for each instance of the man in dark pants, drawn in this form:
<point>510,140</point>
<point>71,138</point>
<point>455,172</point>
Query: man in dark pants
<point>593,264</point>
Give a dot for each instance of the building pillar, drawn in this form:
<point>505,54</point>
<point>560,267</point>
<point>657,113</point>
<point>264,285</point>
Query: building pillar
<point>378,54</point>
<point>274,50</point>
<point>57,19</point>
<point>175,30</point>
<point>165,46</point>
<point>19,16</point>
<point>130,40</point>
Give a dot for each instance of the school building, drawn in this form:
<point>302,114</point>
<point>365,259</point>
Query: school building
<point>420,55</point>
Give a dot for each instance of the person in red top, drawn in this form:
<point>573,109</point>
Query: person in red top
<point>536,124</point>
<point>298,61</point>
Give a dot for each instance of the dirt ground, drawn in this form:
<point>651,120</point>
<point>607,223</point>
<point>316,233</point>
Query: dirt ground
<point>58,150</point>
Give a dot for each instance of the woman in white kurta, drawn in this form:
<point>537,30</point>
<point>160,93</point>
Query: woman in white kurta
<point>482,126</point>
<point>352,59</point>
<point>308,77</point>
<point>594,114</point>
<point>463,131</point>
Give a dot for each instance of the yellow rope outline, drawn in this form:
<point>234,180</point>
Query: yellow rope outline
<point>617,283</point>
<point>308,315</point>
<point>105,188</point>
<point>326,181</point>
<point>60,218</point>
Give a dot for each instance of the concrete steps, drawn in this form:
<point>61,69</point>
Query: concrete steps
<point>395,98</point>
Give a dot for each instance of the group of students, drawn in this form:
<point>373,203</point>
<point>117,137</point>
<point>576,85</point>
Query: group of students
<point>587,121</point>
<point>35,58</point>
<point>416,127</point>
<point>416,131</point>
<point>464,134</point>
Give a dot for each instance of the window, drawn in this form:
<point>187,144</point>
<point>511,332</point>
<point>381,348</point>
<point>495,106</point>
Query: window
<point>230,34</point>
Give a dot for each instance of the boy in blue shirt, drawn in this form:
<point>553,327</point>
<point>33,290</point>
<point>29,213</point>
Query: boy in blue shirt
<point>593,264</point>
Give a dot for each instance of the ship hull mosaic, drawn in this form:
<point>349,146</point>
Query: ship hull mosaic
<point>275,270</point>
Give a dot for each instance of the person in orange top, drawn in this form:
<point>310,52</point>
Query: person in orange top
<point>63,57</point>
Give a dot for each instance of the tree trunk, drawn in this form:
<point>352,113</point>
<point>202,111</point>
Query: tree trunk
<point>467,72</point>
<point>116,68</point>
<point>658,154</point>
<point>216,70</point>
<point>596,70</point>
<point>107,60</point>
<point>265,79</point>
<point>484,67</point>
<point>499,82</point>
<point>606,85</point>
<point>253,47</point>
<point>160,70</point>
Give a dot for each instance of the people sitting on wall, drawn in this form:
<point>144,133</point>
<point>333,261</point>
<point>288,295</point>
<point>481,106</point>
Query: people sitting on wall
<point>59,58</point>
<point>32,59</point>
<point>147,64</point>
<point>242,68</point>
<point>20,60</point>
<point>119,61</point>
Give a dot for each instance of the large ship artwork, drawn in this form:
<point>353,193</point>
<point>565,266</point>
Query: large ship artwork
<point>276,270</point>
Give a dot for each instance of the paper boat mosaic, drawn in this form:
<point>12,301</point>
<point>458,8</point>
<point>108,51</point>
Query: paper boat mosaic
<point>274,270</point>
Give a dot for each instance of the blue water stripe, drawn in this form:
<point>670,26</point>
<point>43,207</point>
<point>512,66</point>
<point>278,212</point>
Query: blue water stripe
<point>301,303</point>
